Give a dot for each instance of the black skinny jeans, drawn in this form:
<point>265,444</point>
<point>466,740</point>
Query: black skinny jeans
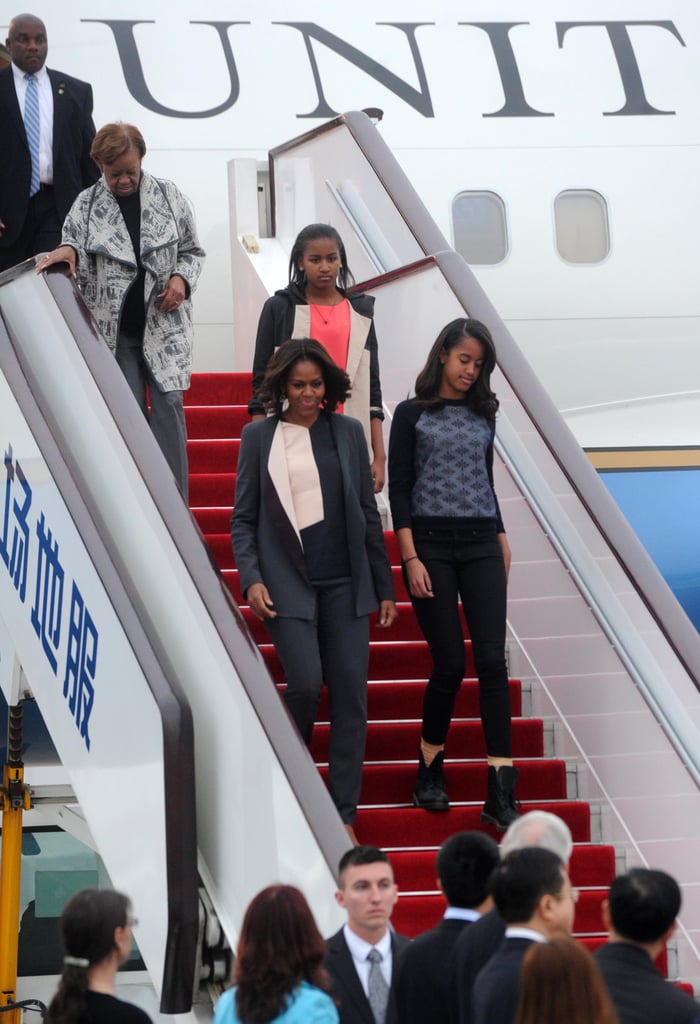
<point>468,565</point>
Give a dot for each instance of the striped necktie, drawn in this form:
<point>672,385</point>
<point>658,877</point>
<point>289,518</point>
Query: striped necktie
<point>31,127</point>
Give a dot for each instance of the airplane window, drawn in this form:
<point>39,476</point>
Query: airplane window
<point>581,224</point>
<point>479,227</point>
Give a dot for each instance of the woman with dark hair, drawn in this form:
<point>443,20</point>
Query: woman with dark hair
<point>316,304</point>
<point>560,982</point>
<point>309,547</point>
<point>95,928</point>
<point>279,975</point>
<point>131,242</point>
<point>454,548</point>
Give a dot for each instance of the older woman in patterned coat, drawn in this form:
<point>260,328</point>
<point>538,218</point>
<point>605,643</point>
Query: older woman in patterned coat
<point>131,242</point>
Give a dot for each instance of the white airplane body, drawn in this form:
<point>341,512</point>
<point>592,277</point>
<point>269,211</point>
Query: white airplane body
<point>523,101</point>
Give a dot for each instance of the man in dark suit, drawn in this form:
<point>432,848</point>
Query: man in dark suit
<point>476,945</point>
<point>640,915</point>
<point>533,895</point>
<point>360,957</point>
<point>421,978</point>
<point>39,180</point>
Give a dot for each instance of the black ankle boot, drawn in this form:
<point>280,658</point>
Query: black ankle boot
<point>430,786</point>
<point>501,807</point>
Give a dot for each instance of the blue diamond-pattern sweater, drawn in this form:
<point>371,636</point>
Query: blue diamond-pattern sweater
<point>441,467</point>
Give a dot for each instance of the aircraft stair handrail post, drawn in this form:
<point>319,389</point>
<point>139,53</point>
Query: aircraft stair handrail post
<point>15,799</point>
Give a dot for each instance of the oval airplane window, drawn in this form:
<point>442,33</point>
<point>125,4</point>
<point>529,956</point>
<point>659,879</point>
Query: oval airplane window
<point>479,227</point>
<point>581,225</point>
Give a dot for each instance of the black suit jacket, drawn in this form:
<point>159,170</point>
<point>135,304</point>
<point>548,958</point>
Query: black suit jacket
<point>73,132</point>
<point>421,975</point>
<point>639,993</point>
<point>353,1006</point>
<point>266,546</point>
<point>473,949</point>
<point>495,993</point>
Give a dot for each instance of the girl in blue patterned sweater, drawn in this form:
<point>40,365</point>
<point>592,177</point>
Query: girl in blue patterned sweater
<point>454,549</point>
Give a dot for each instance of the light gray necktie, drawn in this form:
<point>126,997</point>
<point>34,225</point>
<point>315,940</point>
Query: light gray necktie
<point>32,129</point>
<point>378,990</point>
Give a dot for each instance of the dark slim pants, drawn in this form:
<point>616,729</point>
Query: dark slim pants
<point>331,648</point>
<point>465,565</point>
<point>41,231</point>
<point>167,418</point>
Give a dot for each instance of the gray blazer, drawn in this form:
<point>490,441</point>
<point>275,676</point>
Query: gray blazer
<point>266,545</point>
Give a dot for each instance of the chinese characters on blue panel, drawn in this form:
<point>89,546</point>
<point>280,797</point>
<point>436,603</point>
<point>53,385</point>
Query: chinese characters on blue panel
<point>75,648</point>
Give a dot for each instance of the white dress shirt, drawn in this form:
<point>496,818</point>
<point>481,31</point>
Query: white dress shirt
<point>461,914</point>
<point>515,932</point>
<point>43,83</point>
<point>359,950</point>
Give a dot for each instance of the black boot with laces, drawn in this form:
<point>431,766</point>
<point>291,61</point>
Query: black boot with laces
<point>501,808</point>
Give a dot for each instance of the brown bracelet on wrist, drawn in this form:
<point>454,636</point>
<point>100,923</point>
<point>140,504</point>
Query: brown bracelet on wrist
<point>407,560</point>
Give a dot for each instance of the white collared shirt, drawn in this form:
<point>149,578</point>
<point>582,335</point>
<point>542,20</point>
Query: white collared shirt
<point>43,83</point>
<point>461,914</point>
<point>359,950</point>
<point>513,932</point>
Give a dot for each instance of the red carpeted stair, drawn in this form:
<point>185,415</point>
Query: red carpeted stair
<point>215,409</point>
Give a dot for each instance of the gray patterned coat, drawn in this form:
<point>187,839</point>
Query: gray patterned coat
<point>106,266</point>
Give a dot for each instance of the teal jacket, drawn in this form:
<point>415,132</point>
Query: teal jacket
<point>308,1005</point>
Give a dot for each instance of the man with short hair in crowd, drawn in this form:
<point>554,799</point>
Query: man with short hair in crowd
<point>478,943</point>
<point>640,916</point>
<point>360,957</point>
<point>464,865</point>
<point>533,895</point>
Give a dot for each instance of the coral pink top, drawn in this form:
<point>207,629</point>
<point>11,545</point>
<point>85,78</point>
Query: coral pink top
<point>331,326</point>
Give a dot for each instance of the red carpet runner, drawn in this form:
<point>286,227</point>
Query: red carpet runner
<point>398,667</point>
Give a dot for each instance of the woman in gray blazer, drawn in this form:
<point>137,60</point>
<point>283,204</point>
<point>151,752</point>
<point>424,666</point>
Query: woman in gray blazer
<point>309,546</point>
